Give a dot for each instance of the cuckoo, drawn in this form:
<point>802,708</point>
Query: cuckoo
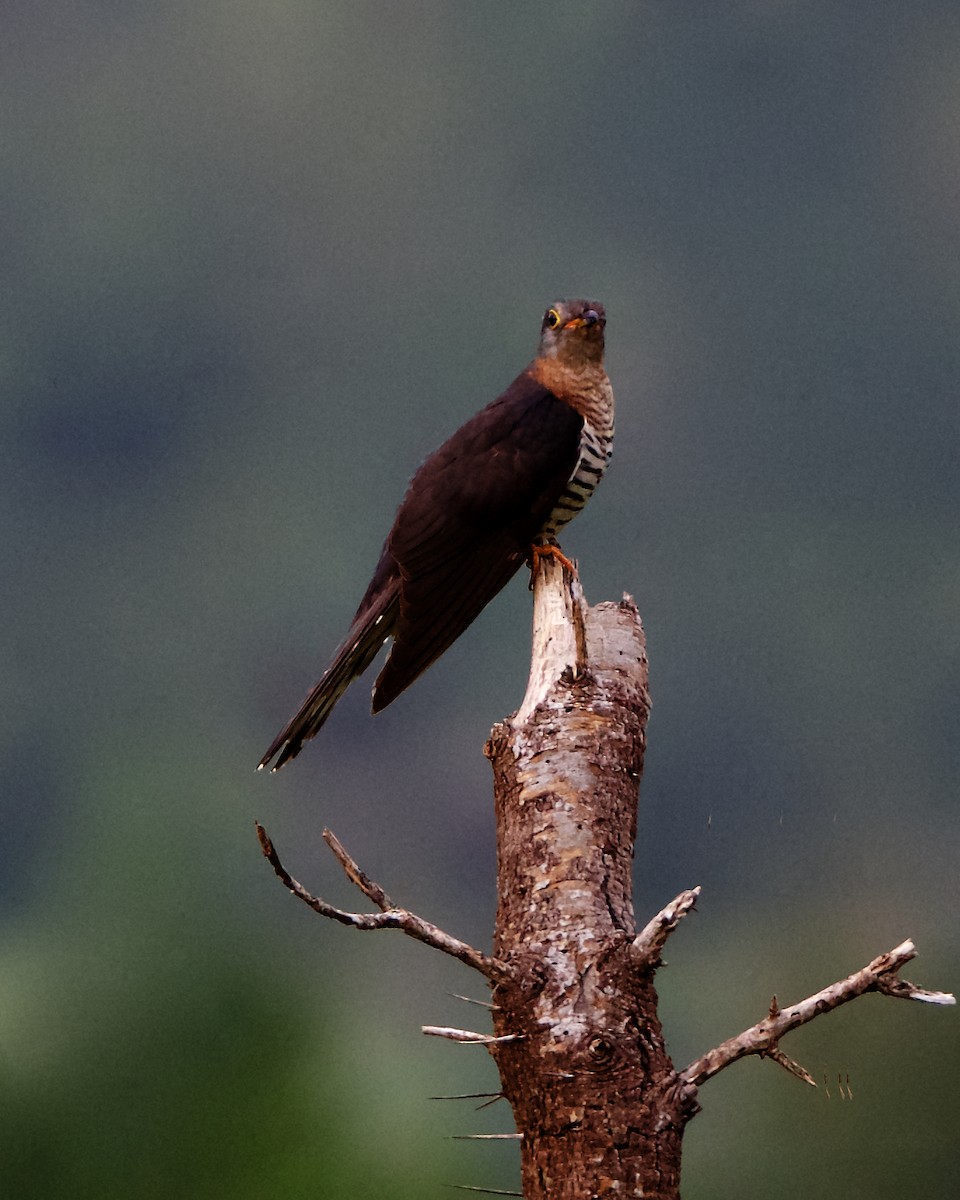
<point>493,496</point>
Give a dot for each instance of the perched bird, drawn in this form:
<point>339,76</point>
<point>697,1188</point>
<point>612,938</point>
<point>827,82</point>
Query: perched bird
<point>492,497</point>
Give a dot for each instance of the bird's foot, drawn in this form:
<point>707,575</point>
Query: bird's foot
<point>539,551</point>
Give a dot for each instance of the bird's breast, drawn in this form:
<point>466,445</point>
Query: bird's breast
<point>586,389</point>
<point>596,446</point>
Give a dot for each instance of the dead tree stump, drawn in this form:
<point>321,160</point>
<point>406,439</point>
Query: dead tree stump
<point>599,1107</point>
<point>594,1094</point>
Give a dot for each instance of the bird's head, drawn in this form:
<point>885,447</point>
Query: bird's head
<point>572,331</point>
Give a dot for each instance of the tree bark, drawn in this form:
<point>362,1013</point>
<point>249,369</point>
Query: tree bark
<point>597,1102</point>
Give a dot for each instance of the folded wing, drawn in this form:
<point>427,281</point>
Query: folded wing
<point>467,521</point>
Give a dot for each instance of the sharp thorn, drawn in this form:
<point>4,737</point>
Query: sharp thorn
<point>486,1137</point>
<point>466,1187</point>
<point>470,1000</point>
<point>468,1036</point>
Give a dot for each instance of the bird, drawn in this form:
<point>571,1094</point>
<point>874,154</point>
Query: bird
<point>493,497</point>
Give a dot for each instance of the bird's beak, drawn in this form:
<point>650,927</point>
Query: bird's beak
<point>590,317</point>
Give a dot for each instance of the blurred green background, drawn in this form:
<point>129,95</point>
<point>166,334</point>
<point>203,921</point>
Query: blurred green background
<point>258,260</point>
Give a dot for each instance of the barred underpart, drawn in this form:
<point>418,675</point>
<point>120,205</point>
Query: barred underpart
<point>596,447</point>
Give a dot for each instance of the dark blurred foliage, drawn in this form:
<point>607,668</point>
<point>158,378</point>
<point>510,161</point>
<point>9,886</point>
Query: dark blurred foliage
<point>258,259</point>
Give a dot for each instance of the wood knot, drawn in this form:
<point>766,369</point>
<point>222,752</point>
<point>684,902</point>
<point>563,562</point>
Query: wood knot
<point>601,1051</point>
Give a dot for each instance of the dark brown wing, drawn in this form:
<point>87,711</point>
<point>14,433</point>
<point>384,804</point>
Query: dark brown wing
<point>468,518</point>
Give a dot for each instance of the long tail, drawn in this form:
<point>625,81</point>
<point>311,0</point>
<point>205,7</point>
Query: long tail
<point>369,631</point>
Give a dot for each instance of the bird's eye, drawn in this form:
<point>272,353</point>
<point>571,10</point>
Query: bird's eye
<point>552,319</point>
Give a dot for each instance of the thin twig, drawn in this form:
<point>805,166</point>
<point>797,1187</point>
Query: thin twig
<point>879,976</point>
<point>390,916</point>
<point>789,1065</point>
<point>372,891</point>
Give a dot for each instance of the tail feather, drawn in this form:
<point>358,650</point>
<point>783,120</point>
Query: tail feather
<point>357,651</point>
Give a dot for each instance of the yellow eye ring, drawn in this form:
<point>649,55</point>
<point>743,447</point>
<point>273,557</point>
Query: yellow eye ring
<point>552,319</point>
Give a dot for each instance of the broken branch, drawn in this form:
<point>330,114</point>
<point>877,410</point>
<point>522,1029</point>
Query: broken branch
<point>390,916</point>
<point>648,943</point>
<point>879,976</point>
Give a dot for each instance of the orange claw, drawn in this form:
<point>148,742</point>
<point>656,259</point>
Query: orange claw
<point>550,550</point>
